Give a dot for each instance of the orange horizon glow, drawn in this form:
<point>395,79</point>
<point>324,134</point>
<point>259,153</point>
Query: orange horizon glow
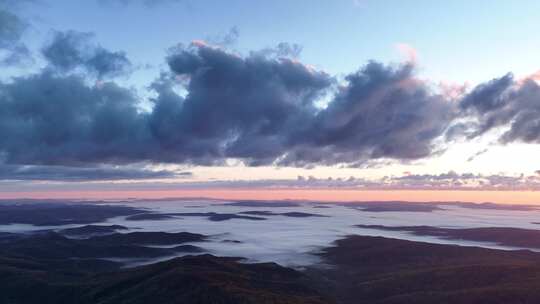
<point>337,195</point>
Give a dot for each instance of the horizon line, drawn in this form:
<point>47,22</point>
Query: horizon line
<point>326,195</point>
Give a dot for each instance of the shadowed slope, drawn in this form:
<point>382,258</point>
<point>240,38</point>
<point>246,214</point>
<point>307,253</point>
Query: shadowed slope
<point>382,270</point>
<point>506,236</point>
<point>201,279</point>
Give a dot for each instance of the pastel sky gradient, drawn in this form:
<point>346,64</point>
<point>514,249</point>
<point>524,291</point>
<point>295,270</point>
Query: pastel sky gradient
<point>330,100</point>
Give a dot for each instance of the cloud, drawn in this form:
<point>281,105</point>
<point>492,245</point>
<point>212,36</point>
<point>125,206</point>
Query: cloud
<point>450,179</point>
<point>409,52</point>
<point>462,181</point>
<point>504,103</point>
<point>77,174</point>
<point>260,109</point>
<point>12,50</point>
<point>11,28</point>
<point>444,181</point>
<point>227,39</point>
<point>488,96</point>
<point>282,49</point>
<point>239,107</point>
<point>381,112</point>
<point>48,119</point>
<point>300,183</point>
<point>71,50</point>
<point>59,119</point>
<point>477,154</point>
<point>285,49</point>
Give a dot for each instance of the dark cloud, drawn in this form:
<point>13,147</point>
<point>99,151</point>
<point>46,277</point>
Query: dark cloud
<point>240,107</point>
<point>381,112</point>
<point>488,96</point>
<point>504,102</point>
<point>525,111</point>
<point>57,119</point>
<point>11,28</point>
<point>261,109</point>
<point>62,173</point>
<point>70,50</point>
<point>12,50</point>
<point>50,119</point>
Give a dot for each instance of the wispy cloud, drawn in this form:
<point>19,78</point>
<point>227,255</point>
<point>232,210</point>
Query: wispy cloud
<point>83,174</point>
<point>444,181</point>
<point>409,52</point>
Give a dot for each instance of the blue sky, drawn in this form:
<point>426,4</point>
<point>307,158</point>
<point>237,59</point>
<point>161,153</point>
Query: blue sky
<point>456,41</point>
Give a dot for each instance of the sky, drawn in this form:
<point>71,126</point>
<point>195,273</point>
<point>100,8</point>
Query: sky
<point>183,97</point>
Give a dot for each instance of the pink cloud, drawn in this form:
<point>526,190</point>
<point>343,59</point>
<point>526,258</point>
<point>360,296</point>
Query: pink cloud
<point>531,77</point>
<point>409,52</point>
<point>199,43</point>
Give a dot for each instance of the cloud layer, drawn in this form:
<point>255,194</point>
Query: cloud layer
<point>261,109</point>
<point>212,105</point>
<point>63,173</point>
